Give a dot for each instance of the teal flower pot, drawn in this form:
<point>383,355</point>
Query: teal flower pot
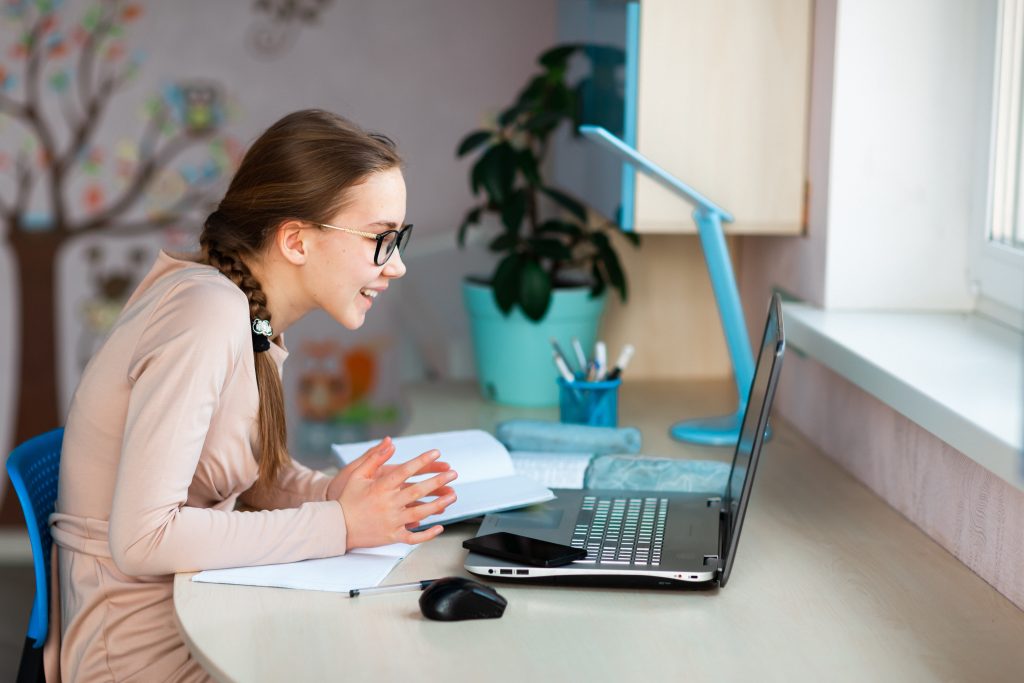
<point>513,353</point>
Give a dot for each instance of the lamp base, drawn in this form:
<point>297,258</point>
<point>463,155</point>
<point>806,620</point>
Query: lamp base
<point>710,431</point>
<point>713,431</point>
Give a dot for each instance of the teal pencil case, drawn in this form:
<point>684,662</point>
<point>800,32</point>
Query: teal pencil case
<point>633,473</point>
<point>559,437</point>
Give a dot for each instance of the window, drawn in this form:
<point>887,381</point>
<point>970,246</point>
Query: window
<point>997,257</point>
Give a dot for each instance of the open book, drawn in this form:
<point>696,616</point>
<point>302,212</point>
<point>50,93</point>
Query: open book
<point>487,481</point>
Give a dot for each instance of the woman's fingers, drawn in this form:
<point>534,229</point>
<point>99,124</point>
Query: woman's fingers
<point>436,466</point>
<point>443,491</point>
<point>415,514</point>
<point>396,477</point>
<point>375,457</point>
<point>425,488</point>
<point>414,537</point>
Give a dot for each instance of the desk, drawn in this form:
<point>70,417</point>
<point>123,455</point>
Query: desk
<point>830,584</point>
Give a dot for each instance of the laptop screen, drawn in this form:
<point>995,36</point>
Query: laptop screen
<point>755,422</point>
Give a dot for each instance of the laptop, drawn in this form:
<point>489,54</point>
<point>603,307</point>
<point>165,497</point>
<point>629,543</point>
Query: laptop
<point>650,538</point>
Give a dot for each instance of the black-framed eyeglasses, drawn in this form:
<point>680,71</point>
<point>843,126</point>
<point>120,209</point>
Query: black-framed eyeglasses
<point>387,241</point>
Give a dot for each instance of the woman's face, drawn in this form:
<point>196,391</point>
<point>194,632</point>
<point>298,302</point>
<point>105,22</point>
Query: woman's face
<point>343,279</point>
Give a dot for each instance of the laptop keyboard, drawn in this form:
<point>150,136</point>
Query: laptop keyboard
<point>621,531</point>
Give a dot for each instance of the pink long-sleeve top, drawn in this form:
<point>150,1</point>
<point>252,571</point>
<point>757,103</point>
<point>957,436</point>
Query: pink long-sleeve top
<point>159,447</point>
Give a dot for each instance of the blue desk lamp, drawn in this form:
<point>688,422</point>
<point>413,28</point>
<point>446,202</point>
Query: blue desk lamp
<point>714,431</point>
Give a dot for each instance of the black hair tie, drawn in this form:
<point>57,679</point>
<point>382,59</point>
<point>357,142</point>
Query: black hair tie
<point>261,334</point>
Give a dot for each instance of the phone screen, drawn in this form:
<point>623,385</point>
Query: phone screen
<point>524,549</point>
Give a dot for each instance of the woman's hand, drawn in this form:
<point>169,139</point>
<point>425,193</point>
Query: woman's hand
<point>380,507</point>
<point>339,480</point>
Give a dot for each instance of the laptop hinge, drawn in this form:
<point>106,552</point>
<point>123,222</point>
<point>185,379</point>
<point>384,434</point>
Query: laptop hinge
<point>713,501</point>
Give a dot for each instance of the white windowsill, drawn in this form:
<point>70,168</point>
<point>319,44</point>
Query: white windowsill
<point>959,376</point>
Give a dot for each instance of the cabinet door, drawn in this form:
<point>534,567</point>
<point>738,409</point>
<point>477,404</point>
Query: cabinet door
<point>723,104</point>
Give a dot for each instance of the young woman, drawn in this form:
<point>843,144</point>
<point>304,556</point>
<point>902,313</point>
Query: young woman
<point>179,417</point>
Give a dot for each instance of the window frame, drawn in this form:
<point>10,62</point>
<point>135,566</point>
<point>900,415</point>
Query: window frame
<point>997,269</point>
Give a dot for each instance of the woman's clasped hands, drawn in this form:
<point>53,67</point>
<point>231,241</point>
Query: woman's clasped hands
<point>381,506</point>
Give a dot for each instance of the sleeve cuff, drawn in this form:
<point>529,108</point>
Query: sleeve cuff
<point>330,524</point>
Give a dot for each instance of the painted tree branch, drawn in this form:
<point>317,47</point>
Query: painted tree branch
<point>143,175</point>
<point>88,58</point>
<point>188,202</point>
<point>91,117</point>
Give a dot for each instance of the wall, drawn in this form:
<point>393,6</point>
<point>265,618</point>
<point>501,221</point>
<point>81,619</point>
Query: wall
<point>423,73</point>
<point>858,171</point>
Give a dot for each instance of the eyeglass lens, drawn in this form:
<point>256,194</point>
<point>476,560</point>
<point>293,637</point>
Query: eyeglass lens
<point>390,240</point>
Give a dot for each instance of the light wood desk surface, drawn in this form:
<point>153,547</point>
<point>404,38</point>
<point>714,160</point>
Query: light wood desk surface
<point>830,583</point>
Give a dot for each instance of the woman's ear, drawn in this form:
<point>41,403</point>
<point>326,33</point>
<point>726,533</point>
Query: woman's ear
<point>291,241</point>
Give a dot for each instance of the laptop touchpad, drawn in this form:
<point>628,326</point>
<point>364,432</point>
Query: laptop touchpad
<point>533,517</point>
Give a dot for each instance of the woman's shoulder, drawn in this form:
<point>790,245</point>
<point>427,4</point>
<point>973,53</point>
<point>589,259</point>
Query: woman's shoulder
<point>197,297</point>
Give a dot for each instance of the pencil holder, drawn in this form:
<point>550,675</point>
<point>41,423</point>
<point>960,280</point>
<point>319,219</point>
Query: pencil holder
<point>589,403</point>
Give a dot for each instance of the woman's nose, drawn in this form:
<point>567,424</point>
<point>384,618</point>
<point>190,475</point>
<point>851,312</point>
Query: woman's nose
<point>395,267</point>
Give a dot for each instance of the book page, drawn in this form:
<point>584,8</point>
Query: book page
<point>492,495</point>
<point>473,453</point>
<point>360,568</point>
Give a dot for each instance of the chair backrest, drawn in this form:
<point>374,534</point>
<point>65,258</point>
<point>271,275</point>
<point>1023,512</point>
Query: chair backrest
<point>33,468</point>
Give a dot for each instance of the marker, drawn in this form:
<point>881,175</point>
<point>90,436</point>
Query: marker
<point>581,357</point>
<point>394,588</point>
<point>622,362</point>
<point>558,352</point>
<point>600,360</point>
<point>563,368</point>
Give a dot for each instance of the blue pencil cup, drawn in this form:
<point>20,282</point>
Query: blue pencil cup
<point>589,403</point>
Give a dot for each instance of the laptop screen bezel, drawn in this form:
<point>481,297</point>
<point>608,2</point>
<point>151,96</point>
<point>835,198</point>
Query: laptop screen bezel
<point>733,526</point>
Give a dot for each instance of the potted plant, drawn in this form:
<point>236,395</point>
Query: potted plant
<point>557,260</point>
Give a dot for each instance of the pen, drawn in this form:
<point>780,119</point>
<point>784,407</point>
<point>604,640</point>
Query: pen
<point>600,360</point>
<point>563,368</point>
<point>394,588</point>
<point>581,357</point>
<point>622,362</point>
<point>558,352</point>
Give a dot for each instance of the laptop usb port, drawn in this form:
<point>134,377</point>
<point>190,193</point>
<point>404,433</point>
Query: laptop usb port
<point>504,571</point>
<point>522,571</point>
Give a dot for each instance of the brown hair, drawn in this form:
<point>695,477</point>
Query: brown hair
<point>301,167</point>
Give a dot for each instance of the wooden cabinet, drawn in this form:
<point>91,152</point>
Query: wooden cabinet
<point>723,94</point>
<point>717,93</point>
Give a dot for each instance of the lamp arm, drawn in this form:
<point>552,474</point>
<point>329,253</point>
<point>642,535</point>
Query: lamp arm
<point>610,142</point>
<point>709,217</point>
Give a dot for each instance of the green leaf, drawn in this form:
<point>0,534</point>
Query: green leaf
<point>597,288</point>
<point>513,211</point>
<point>506,282</point>
<point>550,248</point>
<point>560,227</point>
<point>498,171</point>
<point>557,56</point>
<point>472,141</point>
<point>534,290</point>
<point>610,261</point>
<point>472,217</point>
<point>476,176</point>
<point>506,117</point>
<point>503,242</point>
<point>544,122</point>
<point>529,95</point>
<point>528,167</point>
<point>574,207</point>
<point>563,102</point>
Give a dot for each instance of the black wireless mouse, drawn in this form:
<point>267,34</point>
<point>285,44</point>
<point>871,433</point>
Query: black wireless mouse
<point>455,598</point>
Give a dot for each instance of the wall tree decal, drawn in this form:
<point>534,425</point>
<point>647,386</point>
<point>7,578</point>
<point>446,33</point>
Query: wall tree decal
<point>58,85</point>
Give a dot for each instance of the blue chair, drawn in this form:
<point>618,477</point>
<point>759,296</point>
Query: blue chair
<point>33,468</point>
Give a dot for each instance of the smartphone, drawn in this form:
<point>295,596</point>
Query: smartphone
<point>524,550</point>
